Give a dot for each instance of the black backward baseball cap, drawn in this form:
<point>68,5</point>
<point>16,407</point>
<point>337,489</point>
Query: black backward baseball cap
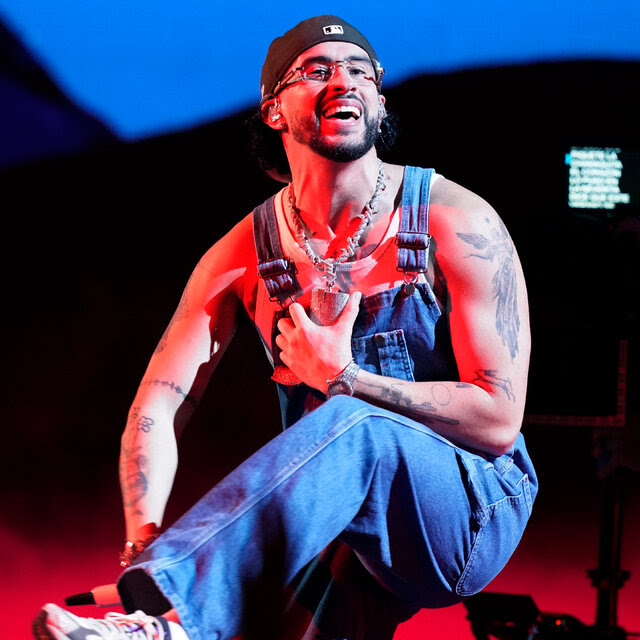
<point>285,49</point>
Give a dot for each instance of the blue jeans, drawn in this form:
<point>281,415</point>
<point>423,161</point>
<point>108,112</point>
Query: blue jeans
<point>431,521</point>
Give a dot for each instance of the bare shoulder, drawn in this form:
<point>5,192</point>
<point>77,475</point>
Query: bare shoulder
<point>228,269</point>
<point>455,208</point>
<point>234,250</point>
<point>461,222</point>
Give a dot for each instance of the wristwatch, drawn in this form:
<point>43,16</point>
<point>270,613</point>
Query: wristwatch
<point>343,383</point>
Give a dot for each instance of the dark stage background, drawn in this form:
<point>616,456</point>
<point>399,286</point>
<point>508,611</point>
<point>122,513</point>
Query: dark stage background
<point>99,239</point>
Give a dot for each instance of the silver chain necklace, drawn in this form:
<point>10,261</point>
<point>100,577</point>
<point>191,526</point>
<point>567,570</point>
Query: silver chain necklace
<point>328,265</point>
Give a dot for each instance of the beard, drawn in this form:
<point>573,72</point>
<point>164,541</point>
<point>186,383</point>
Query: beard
<point>346,151</point>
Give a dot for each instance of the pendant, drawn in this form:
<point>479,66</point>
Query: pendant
<point>326,306</point>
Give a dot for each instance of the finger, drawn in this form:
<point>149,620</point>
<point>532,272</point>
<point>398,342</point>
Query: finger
<point>282,342</point>
<point>284,325</point>
<point>299,315</point>
<point>350,311</point>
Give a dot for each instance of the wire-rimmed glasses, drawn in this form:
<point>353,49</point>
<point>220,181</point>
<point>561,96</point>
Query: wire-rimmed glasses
<point>360,72</point>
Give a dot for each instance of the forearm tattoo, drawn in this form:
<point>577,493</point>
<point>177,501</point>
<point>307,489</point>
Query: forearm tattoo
<point>133,463</point>
<point>393,395</point>
<point>498,248</point>
<point>490,376</point>
<point>142,423</point>
<point>173,386</point>
<point>133,467</point>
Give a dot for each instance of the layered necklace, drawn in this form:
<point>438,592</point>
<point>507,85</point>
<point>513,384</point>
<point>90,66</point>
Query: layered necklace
<point>326,304</point>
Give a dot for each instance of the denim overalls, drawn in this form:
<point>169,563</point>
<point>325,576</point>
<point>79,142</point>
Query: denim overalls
<point>365,515</point>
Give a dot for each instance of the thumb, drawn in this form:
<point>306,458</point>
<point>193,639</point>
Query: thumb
<point>350,311</point>
<point>298,315</point>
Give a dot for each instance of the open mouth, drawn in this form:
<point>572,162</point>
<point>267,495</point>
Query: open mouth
<point>343,112</point>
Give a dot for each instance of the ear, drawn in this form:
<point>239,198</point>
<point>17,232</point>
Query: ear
<point>271,115</point>
<point>382,112</point>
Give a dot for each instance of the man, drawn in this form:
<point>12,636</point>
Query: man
<point>398,295</point>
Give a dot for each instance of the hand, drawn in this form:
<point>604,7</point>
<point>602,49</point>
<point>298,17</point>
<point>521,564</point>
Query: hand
<point>317,353</point>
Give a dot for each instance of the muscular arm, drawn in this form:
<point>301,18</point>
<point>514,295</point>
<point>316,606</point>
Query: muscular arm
<point>178,372</point>
<point>489,333</point>
<point>463,413</point>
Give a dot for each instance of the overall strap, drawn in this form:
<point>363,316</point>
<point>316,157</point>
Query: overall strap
<point>413,235</point>
<point>277,272</point>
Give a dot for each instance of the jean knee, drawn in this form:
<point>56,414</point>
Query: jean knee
<point>348,404</point>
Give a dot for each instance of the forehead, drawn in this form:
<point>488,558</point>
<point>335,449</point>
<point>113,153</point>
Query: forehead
<point>331,51</point>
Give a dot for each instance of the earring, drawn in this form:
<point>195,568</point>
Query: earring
<point>274,112</point>
<point>382,113</point>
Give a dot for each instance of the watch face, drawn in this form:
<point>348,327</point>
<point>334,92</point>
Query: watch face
<point>343,383</point>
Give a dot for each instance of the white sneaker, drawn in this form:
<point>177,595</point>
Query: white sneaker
<point>54,623</point>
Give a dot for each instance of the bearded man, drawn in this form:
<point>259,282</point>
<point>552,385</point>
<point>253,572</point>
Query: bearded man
<point>393,307</point>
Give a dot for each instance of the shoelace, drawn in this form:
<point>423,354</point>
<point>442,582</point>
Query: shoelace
<point>138,626</point>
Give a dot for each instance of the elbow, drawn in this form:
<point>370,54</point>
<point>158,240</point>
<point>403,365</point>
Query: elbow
<point>504,421</point>
<point>503,438</point>
<point>499,449</point>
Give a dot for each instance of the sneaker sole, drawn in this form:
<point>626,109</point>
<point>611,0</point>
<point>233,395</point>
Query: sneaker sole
<point>39,627</point>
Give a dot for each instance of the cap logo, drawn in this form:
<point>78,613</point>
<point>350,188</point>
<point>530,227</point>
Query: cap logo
<point>332,29</point>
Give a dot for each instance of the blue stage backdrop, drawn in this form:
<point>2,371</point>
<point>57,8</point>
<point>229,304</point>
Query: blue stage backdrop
<point>151,66</point>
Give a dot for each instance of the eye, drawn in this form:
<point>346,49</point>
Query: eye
<point>317,72</point>
<point>357,71</point>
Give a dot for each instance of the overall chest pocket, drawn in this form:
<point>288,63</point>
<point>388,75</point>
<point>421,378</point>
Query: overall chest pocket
<point>384,353</point>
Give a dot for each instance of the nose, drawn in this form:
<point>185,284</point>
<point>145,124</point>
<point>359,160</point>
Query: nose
<point>340,76</point>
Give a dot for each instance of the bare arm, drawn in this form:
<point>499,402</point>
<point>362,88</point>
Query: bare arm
<point>490,337</point>
<point>176,377</point>
<point>489,332</point>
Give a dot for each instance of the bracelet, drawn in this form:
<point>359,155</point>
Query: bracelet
<point>344,382</point>
<point>133,548</point>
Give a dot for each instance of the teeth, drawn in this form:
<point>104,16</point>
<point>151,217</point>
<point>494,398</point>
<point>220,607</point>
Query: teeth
<point>333,111</point>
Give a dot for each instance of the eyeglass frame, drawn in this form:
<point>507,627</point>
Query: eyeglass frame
<point>286,81</point>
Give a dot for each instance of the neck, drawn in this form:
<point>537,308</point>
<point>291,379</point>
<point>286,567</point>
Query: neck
<point>329,194</point>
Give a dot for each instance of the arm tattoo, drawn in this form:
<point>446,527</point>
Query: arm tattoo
<point>133,463</point>
<point>392,395</point>
<point>500,248</point>
<point>174,387</point>
<point>134,479</point>
<point>441,394</point>
<point>489,375</point>
<point>142,423</point>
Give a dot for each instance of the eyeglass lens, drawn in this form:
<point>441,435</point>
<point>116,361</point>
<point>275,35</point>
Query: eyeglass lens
<point>359,71</point>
